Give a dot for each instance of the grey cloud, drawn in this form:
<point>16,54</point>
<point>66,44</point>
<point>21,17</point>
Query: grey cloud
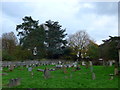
<point>108,8</point>
<point>100,8</point>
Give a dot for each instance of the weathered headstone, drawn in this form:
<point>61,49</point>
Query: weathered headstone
<point>52,69</point>
<point>64,70</point>
<point>41,70</point>
<point>32,74</point>
<point>116,71</point>
<point>93,76</point>
<point>91,67</point>
<point>30,69</point>
<point>11,67</point>
<point>110,63</point>
<point>14,82</point>
<point>3,74</point>
<point>111,76</point>
<point>11,83</point>
<point>77,68</point>
<point>59,62</point>
<point>83,63</point>
<point>46,73</point>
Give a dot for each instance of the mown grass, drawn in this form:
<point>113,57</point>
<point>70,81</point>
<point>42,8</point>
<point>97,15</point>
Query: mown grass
<point>72,79</point>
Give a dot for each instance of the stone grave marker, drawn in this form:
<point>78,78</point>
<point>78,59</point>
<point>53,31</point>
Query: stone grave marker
<point>93,76</point>
<point>46,73</point>
<point>83,63</point>
<point>52,69</point>
<point>11,67</point>
<point>111,76</point>
<point>116,71</point>
<point>110,63</point>
<point>30,69</point>
<point>14,82</point>
<point>41,70</point>
<point>32,74</point>
<point>91,67</point>
<point>64,70</point>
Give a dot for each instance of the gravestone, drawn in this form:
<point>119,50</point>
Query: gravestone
<point>27,66</point>
<point>17,81</point>
<point>59,66</point>
<point>93,76</point>
<point>46,73</point>
<point>116,71</point>
<point>52,69</point>
<point>74,65</point>
<point>3,74</point>
<point>91,67</point>
<point>64,70</point>
<point>11,67</point>
<point>59,62</point>
<point>30,69</point>
<point>110,63</point>
<point>77,68</point>
<point>111,76</point>
<point>83,63</point>
<point>32,74</point>
<point>14,82</point>
<point>41,70</point>
<point>87,64</point>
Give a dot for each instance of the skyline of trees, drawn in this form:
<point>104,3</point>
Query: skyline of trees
<point>50,42</point>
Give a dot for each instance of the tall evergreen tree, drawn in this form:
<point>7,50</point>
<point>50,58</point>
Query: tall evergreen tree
<point>54,39</point>
<point>32,35</point>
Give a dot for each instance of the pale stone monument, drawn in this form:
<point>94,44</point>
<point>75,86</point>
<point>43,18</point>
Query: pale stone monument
<point>110,63</point>
<point>91,66</point>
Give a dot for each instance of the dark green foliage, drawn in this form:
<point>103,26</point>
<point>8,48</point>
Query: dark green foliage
<point>32,35</point>
<point>48,41</point>
<point>54,39</point>
<point>7,57</point>
<point>108,50</point>
<point>93,51</point>
<point>22,54</point>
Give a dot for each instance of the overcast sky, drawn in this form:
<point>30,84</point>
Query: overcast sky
<point>99,19</point>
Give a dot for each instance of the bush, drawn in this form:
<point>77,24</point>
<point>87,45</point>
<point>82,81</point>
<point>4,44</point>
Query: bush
<point>7,57</point>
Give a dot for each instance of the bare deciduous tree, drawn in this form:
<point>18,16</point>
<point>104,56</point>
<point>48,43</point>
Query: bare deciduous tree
<point>9,41</point>
<point>79,42</point>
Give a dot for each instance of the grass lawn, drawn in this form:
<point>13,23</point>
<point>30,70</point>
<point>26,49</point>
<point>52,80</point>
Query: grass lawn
<point>72,79</point>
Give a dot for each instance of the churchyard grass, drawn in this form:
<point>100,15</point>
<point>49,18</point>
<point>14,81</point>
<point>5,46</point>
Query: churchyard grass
<point>72,79</point>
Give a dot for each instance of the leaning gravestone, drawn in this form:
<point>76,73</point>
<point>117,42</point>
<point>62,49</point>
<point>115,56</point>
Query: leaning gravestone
<point>46,73</point>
